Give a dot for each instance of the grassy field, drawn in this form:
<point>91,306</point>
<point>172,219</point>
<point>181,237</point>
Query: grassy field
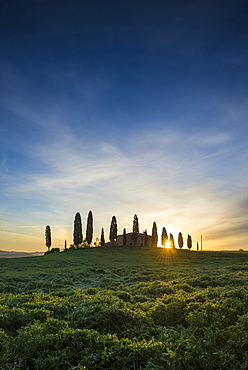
<point>125,308</point>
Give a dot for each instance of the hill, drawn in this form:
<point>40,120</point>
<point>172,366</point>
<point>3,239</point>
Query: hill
<point>125,308</point>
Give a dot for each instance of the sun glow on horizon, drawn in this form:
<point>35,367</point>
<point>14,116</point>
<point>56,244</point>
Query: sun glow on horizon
<point>167,245</point>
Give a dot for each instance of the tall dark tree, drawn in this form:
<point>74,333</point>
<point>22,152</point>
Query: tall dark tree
<point>124,237</point>
<point>135,228</point>
<point>164,237</point>
<point>102,238</point>
<point>113,230</point>
<point>89,228</point>
<point>172,243</point>
<point>65,245</point>
<point>48,237</point>
<point>180,240</point>
<point>197,246</point>
<point>189,242</point>
<point>77,234</point>
<point>154,235</point>
<point>135,224</point>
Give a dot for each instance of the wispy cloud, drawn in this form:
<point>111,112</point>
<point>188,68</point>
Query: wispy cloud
<point>169,184</point>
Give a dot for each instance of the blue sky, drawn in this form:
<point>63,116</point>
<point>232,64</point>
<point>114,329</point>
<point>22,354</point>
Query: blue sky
<point>124,107</point>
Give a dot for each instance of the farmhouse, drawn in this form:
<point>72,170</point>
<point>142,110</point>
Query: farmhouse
<point>137,239</point>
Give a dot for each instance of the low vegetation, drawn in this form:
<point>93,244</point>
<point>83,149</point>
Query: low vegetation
<point>125,308</point>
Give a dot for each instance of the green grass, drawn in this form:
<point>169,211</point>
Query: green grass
<point>125,308</point>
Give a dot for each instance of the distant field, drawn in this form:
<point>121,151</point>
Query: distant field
<point>125,308</point>
<point>10,254</point>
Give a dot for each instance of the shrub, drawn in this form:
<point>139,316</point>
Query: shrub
<point>124,296</point>
<point>170,314</point>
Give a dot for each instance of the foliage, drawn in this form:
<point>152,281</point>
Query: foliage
<point>189,242</point>
<point>89,228</point>
<point>102,241</point>
<point>53,250</point>
<point>135,228</point>
<point>164,237</point>
<point>125,308</point>
<point>154,235</point>
<point>48,237</point>
<point>77,234</point>
<point>113,230</point>
<point>172,243</point>
<point>135,224</point>
<point>180,240</point>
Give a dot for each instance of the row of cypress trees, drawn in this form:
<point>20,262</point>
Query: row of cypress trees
<point>165,238</point>
<point>78,234</point>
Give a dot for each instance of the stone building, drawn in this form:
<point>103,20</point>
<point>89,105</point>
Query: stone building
<point>139,240</point>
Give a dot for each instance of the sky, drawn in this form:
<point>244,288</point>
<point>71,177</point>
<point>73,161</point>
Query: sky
<point>122,108</point>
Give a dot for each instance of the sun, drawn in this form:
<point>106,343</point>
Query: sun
<point>167,245</point>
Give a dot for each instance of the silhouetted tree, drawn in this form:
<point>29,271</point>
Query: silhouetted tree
<point>164,237</point>
<point>172,243</point>
<point>55,250</point>
<point>197,246</point>
<point>135,228</point>
<point>77,234</point>
<point>102,238</point>
<point>124,237</point>
<point>180,240</point>
<point>135,224</point>
<point>89,228</point>
<point>65,245</point>
<point>48,237</point>
<point>113,230</point>
<point>154,235</point>
<point>189,242</point>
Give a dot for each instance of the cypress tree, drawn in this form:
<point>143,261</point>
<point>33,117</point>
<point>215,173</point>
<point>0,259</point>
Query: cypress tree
<point>164,237</point>
<point>189,242</point>
<point>102,238</point>
<point>48,237</point>
<point>135,224</point>
<point>154,235</point>
<point>124,237</point>
<point>65,245</point>
<point>89,228</point>
<point>113,230</point>
<point>135,228</point>
<point>180,240</point>
<point>172,243</point>
<point>77,234</point>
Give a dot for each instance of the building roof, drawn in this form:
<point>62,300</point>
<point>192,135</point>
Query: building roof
<point>138,234</point>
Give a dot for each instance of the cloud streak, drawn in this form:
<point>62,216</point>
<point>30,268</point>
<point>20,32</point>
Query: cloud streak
<point>160,175</point>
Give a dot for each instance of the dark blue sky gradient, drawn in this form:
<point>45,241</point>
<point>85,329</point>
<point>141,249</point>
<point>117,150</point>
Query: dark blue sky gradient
<point>124,77</point>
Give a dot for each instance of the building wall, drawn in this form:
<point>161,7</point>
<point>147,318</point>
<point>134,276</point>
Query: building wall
<point>140,241</point>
